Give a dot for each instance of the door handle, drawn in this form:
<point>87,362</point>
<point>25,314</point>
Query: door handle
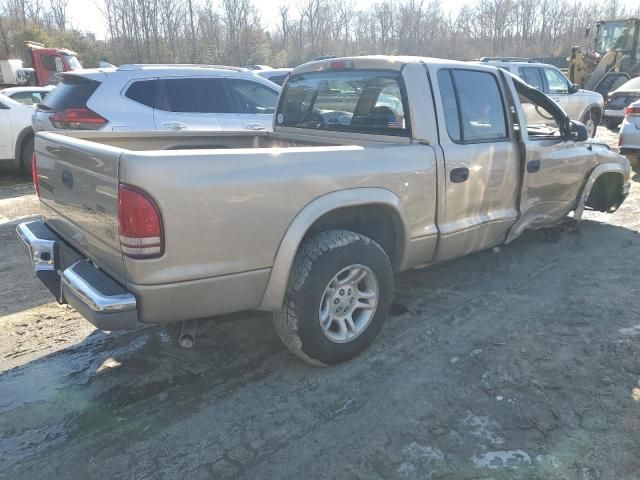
<point>533,166</point>
<point>175,125</point>
<point>67,178</point>
<point>254,126</point>
<point>459,175</point>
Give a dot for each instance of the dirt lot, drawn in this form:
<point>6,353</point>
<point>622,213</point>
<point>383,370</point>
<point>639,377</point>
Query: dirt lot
<point>516,364</point>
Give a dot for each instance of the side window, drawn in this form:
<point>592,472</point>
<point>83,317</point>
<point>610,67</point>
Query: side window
<point>557,82</point>
<point>48,62</point>
<point>26,98</point>
<point>479,106</point>
<point>144,92</point>
<point>449,104</point>
<point>194,95</point>
<point>532,76</point>
<point>253,97</point>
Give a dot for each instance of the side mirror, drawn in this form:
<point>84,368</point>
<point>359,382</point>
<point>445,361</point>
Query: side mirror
<point>574,87</point>
<point>578,132</point>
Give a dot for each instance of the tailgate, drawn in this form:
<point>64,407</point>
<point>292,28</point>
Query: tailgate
<point>78,182</point>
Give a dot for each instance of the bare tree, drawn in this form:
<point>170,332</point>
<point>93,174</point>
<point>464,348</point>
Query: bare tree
<point>58,13</point>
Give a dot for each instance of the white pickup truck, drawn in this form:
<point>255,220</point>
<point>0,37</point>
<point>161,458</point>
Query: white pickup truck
<point>376,165</point>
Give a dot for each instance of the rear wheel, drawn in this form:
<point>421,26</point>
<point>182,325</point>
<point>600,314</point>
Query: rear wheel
<point>591,120</point>
<point>337,299</point>
<point>26,154</point>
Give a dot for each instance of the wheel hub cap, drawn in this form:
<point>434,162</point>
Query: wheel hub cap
<point>348,303</point>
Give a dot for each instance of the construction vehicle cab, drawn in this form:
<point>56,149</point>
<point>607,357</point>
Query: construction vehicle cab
<point>615,57</point>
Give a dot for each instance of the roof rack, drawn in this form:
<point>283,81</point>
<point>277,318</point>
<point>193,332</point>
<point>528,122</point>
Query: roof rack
<point>141,66</point>
<point>507,59</point>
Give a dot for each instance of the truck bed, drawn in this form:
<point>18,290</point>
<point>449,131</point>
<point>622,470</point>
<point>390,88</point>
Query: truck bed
<point>226,200</point>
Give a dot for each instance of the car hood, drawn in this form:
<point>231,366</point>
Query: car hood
<point>589,93</point>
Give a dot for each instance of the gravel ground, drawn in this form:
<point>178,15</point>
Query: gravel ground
<point>520,363</point>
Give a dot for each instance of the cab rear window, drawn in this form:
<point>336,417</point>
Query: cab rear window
<point>362,101</point>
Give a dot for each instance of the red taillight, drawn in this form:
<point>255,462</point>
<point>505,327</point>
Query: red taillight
<point>632,111</point>
<point>34,173</point>
<point>139,223</point>
<point>340,65</point>
<point>77,119</point>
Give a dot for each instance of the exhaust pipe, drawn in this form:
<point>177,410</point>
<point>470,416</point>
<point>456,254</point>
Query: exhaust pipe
<point>188,333</point>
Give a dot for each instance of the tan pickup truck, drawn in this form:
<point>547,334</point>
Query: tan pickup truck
<point>376,165</point>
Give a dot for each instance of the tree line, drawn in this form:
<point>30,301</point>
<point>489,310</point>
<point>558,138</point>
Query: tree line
<point>232,32</point>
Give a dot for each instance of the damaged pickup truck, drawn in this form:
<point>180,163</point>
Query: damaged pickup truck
<point>376,165</point>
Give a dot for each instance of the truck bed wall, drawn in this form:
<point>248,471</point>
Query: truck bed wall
<point>226,212</point>
<point>166,140</point>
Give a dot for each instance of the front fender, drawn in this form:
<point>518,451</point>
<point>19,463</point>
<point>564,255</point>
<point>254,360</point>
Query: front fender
<point>593,177</point>
<point>589,107</point>
<point>273,297</point>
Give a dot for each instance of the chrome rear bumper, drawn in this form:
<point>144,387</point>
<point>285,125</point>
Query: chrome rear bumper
<point>75,280</point>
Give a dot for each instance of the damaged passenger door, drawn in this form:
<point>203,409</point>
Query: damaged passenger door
<point>555,160</point>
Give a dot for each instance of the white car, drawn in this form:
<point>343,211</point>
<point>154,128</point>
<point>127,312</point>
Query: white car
<point>618,100</point>
<point>629,141</point>
<point>16,134</point>
<point>27,95</point>
<point>582,105</point>
<point>159,97</point>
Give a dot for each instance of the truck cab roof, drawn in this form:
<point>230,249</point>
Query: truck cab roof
<point>376,62</point>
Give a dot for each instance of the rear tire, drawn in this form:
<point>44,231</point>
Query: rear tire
<point>591,120</point>
<point>337,299</point>
<point>26,154</point>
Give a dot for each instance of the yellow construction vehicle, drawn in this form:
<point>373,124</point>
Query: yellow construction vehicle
<point>615,57</point>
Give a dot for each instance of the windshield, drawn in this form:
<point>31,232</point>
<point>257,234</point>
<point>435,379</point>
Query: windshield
<point>363,101</point>
<point>73,62</point>
<point>616,35</point>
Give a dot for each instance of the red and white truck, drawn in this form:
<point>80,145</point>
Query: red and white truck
<point>46,63</point>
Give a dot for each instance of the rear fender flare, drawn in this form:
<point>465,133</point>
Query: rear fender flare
<point>591,181</point>
<point>273,297</point>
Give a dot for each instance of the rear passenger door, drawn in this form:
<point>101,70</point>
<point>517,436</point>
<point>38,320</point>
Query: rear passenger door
<point>482,161</point>
<point>201,103</point>
<point>255,102</point>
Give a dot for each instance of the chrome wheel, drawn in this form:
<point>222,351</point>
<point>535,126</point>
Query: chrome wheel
<point>349,303</point>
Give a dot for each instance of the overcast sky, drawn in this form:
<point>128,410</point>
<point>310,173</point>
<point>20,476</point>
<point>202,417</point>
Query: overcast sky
<point>85,14</point>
